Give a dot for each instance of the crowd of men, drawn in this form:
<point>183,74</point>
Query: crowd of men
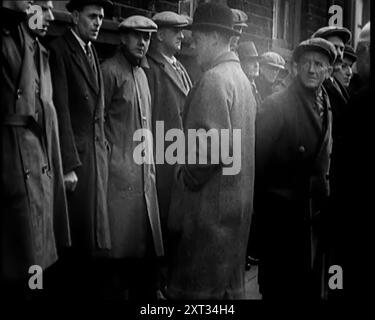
<point>76,203</point>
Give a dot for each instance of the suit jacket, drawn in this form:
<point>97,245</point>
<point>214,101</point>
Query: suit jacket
<point>293,149</point>
<point>79,100</point>
<point>132,197</point>
<point>168,95</point>
<point>34,219</point>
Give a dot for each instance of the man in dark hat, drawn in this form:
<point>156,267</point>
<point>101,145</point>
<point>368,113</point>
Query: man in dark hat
<point>78,95</point>
<point>132,197</point>
<point>209,217</point>
<point>344,73</point>
<point>34,218</point>
<point>249,58</point>
<point>293,140</point>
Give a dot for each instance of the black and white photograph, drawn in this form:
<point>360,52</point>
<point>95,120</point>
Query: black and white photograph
<point>164,151</point>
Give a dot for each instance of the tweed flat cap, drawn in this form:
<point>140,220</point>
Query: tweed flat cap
<point>239,18</point>
<point>350,53</point>
<point>273,59</point>
<point>170,19</point>
<point>329,31</point>
<point>78,4</point>
<point>213,16</point>
<point>138,23</point>
<point>315,44</point>
<point>247,51</point>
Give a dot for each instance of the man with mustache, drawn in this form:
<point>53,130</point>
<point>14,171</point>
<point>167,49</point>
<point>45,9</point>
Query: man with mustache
<point>78,94</point>
<point>34,218</point>
<point>132,198</point>
<point>293,143</point>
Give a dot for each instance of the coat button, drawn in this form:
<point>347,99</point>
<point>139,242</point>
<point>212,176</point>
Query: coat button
<point>301,149</point>
<point>19,93</point>
<point>45,169</point>
<point>97,119</point>
<point>86,97</point>
<point>27,173</point>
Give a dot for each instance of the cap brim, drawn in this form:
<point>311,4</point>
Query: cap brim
<point>121,28</point>
<point>306,48</point>
<point>214,26</point>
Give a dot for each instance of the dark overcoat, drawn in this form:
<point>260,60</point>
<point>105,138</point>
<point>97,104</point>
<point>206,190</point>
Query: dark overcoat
<point>209,218</point>
<point>293,146</point>
<point>34,218</point>
<point>132,197</point>
<point>168,95</point>
<point>79,100</point>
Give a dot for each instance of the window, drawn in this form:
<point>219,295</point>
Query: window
<point>286,23</point>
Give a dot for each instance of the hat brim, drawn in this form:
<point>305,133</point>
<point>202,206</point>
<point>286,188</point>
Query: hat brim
<point>166,25</point>
<point>308,48</point>
<point>350,56</point>
<point>126,29</point>
<point>214,26</point>
<point>344,35</point>
<point>71,6</point>
<point>274,65</point>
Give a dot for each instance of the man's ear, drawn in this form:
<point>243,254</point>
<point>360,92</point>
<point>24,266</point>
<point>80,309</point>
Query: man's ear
<point>75,17</point>
<point>123,37</point>
<point>160,35</point>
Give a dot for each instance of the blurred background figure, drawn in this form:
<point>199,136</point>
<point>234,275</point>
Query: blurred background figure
<point>344,73</point>
<point>239,23</point>
<point>249,59</point>
<point>270,65</point>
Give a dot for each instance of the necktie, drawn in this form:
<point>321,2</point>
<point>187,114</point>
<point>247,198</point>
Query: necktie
<point>182,74</point>
<point>90,58</point>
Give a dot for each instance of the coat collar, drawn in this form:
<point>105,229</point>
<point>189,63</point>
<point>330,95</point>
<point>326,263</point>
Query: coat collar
<point>168,70</point>
<point>225,57</point>
<point>81,61</point>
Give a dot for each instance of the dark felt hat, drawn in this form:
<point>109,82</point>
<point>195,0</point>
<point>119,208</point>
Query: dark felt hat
<point>212,16</point>
<point>79,4</point>
<point>350,53</point>
<point>315,44</point>
<point>248,51</point>
<point>325,32</point>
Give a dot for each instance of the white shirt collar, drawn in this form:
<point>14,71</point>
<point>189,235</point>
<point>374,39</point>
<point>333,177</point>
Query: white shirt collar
<point>80,41</point>
<point>172,60</point>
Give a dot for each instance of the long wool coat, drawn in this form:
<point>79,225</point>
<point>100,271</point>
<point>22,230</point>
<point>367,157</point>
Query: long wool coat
<point>34,219</point>
<point>79,100</point>
<point>168,96</point>
<point>210,213</point>
<point>132,197</point>
<point>291,185</point>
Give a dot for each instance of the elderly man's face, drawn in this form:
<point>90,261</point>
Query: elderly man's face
<point>313,69</point>
<point>136,43</point>
<point>344,73</point>
<point>251,68</point>
<point>88,22</point>
<point>47,17</point>
<point>339,45</point>
<point>171,39</point>
<point>270,72</point>
<point>363,60</point>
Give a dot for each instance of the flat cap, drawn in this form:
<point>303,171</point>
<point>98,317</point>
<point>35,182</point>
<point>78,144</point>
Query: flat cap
<point>239,18</point>
<point>344,34</point>
<point>170,19</point>
<point>349,53</point>
<point>79,4</point>
<point>138,23</point>
<point>273,59</point>
<point>315,44</point>
<point>247,51</point>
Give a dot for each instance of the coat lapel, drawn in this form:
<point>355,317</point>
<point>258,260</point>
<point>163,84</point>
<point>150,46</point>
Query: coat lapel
<point>169,71</point>
<point>80,60</point>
